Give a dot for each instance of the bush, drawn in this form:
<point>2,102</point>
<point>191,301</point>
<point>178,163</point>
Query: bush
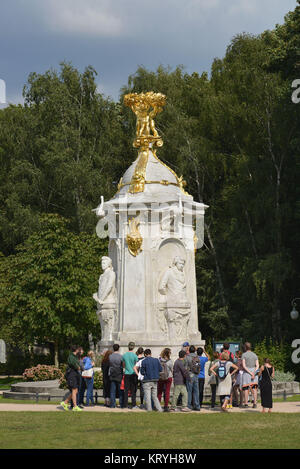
<point>98,380</point>
<point>42,373</point>
<point>282,377</point>
<point>278,353</point>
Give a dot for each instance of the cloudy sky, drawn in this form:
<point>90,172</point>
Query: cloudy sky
<point>116,36</point>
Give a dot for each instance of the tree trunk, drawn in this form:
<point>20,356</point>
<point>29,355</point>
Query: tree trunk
<point>56,354</point>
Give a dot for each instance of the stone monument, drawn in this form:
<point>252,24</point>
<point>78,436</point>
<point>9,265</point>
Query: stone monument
<point>106,299</point>
<point>154,227</point>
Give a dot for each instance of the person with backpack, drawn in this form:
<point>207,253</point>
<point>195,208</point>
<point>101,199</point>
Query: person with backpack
<point>223,370</point>
<point>194,368</point>
<point>203,358</point>
<point>165,377</point>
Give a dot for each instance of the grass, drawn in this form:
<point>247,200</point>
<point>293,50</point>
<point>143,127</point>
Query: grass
<point>33,430</point>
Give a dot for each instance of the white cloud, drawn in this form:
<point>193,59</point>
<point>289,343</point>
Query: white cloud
<point>88,17</point>
<point>2,92</point>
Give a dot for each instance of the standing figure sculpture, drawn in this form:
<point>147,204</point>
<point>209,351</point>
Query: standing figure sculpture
<point>106,299</point>
<point>178,307</point>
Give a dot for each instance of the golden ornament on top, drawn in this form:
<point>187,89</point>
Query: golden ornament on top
<point>146,106</point>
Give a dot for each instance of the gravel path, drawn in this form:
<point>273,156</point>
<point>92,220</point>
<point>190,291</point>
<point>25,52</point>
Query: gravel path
<point>284,407</point>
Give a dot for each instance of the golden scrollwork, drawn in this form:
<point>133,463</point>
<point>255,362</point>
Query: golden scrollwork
<point>134,239</point>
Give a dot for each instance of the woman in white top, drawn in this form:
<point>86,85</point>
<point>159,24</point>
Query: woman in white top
<point>137,370</point>
<point>224,385</point>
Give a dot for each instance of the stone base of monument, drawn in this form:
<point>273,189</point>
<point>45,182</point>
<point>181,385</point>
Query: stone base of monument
<point>46,390</point>
<point>156,346</point>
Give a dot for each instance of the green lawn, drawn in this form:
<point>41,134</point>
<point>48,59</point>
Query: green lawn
<point>64,430</point>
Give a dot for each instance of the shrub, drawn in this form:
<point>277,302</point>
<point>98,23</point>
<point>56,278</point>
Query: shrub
<point>282,377</point>
<point>277,353</point>
<point>98,380</point>
<point>42,373</point>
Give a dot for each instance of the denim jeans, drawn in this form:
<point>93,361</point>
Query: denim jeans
<point>193,392</point>
<point>81,391</point>
<point>114,387</point>
<point>89,382</point>
<point>150,393</point>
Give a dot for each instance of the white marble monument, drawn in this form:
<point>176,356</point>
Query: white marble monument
<point>154,227</point>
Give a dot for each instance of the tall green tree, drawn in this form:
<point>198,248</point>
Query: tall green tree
<point>46,287</point>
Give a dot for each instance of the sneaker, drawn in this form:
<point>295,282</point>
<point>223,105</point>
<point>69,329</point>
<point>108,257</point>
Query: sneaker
<point>64,405</point>
<point>185,409</point>
<point>76,409</point>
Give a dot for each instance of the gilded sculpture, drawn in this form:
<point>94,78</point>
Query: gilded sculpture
<point>134,238</point>
<point>146,106</point>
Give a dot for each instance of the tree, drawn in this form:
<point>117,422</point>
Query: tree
<point>46,287</point>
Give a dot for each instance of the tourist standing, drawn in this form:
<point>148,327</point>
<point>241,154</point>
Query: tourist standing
<point>223,373</point>
<point>150,369</point>
<point>213,380</point>
<point>73,379</point>
<point>203,358</point>
<point>226,348</point>
<point>180,377</point>
<point>250,378</point>
<point>164,385</point>
<point>115,373</point>
<point>237,384</point>
<point>82,386</point>
<point>267,374</point>
<point>106,380</point>
<point>193,367</point>
<point>140,377</point>
<point>129,360</point>
<point>88,377</point>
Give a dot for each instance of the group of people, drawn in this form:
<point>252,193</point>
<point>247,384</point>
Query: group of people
<point>242,375</point>
<point>231,377</point>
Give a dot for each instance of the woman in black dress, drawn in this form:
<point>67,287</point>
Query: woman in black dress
<point>267,373</point>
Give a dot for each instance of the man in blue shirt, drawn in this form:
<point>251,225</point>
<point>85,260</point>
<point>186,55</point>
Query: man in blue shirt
<point>203,358</point>
<point>150,369</point>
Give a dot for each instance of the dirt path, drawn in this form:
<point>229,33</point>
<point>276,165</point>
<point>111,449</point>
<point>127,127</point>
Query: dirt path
<point>284,407</point>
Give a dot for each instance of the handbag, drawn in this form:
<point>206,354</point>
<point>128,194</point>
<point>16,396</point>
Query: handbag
<point>87,373</point>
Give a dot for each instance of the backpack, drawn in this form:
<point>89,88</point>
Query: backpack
<point>222,372</point>
<point>195,366</point>
<point>163,375</point>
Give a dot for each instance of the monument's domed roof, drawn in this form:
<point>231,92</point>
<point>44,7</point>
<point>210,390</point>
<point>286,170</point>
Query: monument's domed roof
<point>158,178</point>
